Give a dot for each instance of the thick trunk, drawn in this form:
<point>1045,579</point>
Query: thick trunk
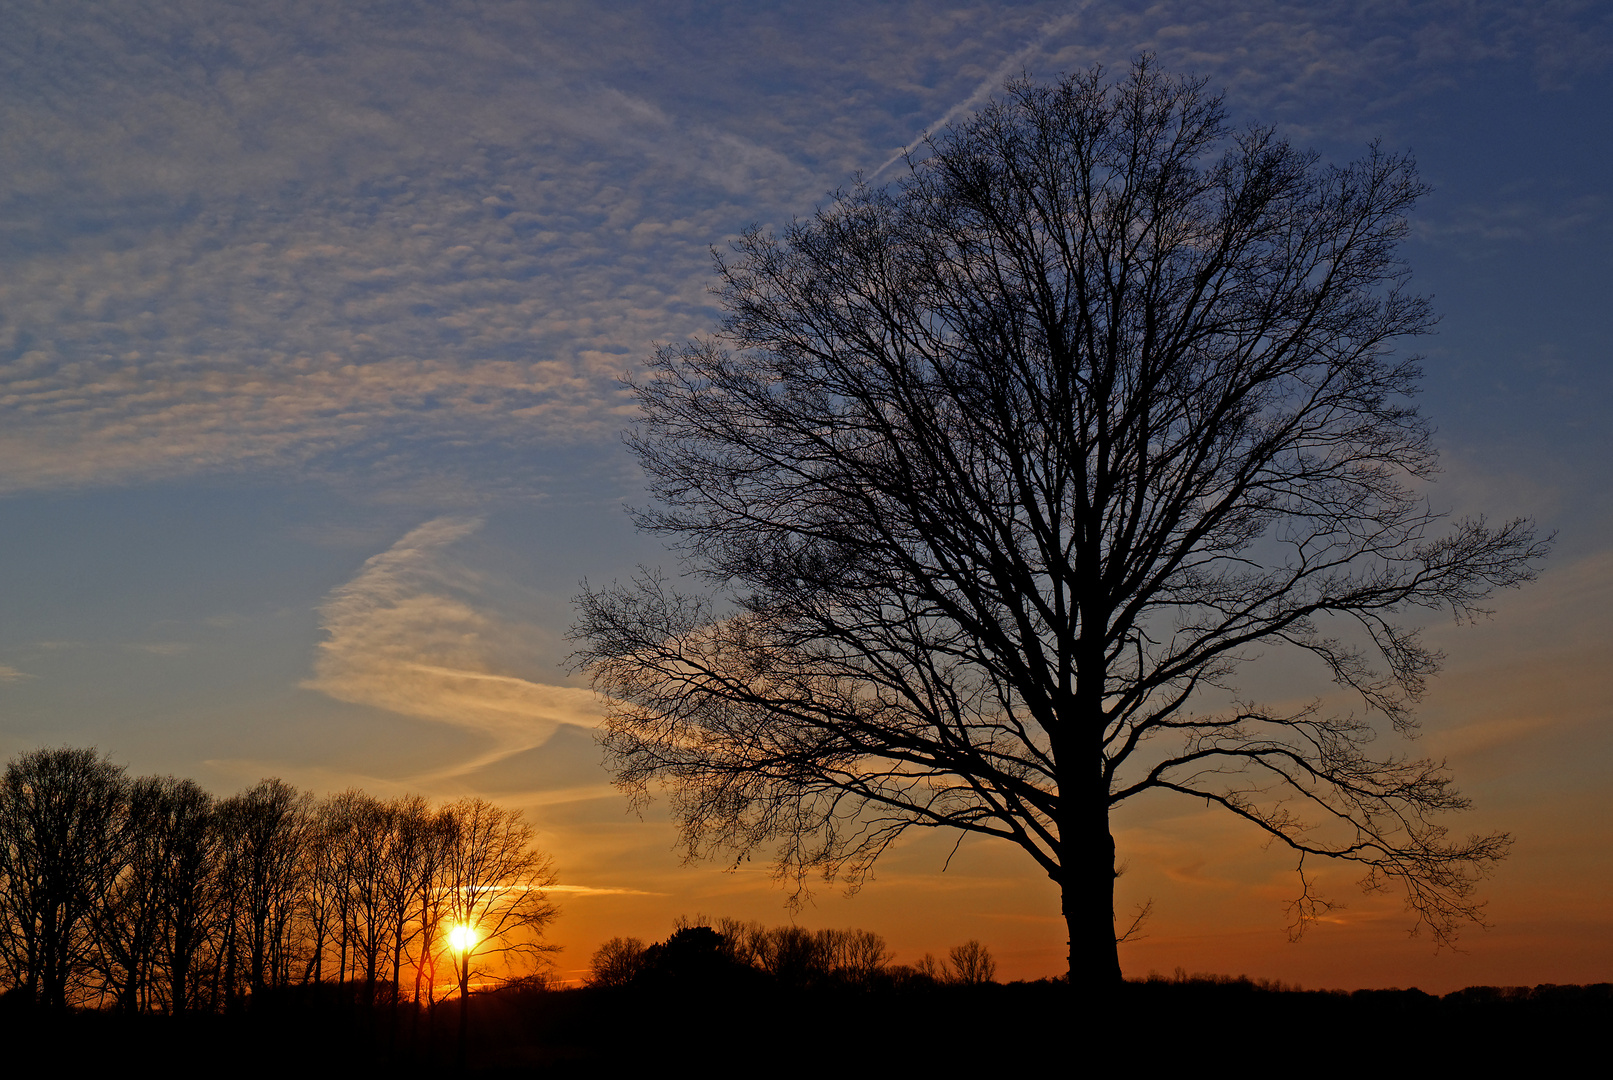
<point>1089,909</point>
<point>1087,855</point>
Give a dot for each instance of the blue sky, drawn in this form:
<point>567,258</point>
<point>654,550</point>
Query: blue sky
<point>311,321</point>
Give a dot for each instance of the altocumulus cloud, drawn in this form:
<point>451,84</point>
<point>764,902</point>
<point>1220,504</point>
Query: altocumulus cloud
<point>416,244</point>
<point>223,249</point>
<point>403,635</point>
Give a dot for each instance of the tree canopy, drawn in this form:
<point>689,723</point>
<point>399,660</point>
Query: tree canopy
<point>998,475</point>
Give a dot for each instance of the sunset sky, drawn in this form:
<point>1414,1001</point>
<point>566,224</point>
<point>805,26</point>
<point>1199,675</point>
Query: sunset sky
<point>311,321</point>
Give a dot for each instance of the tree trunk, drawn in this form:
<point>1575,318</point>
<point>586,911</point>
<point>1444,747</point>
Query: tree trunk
<point>464,1006</point>
<point>1089,908</point>
<point>1087,848</point>
<point>179,971</point>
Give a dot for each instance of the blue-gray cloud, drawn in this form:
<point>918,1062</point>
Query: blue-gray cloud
<point>359,239</point>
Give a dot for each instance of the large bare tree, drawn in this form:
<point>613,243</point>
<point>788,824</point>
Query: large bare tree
<point>999,474</point>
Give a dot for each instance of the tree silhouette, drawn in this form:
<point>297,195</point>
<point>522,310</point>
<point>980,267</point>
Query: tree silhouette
<point>970,964</point>
<point>493,881</point>
<point>266,830</point>
<point>131,917</point>
<point>692,959</point>
<point>999,474</point>
<point>190,842</point>
<point>617,962</point>
<point>61,849</point>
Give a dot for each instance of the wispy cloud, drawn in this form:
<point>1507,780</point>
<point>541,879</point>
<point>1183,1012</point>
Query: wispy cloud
<point>1531,217</point>
<point>590,890</point>
<point>160,648</point>
<point>405,635</point>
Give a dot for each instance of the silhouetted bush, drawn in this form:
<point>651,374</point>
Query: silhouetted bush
<point>693,957</point>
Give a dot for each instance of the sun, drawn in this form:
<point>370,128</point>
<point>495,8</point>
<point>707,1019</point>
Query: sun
<point>462,938</point>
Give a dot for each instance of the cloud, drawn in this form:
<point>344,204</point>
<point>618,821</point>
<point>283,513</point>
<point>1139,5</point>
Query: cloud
<point>366,244</point>
<point>360,258</point>
<point>405,635</point>
<point>590,890</point>
<point>161,648</point>
<point>1487,735</point>
<point>11,674</point>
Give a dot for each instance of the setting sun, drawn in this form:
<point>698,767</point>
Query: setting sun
<point>462,939</point>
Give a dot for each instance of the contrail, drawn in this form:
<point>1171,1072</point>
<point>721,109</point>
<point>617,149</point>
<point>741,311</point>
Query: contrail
<point>990,84</point>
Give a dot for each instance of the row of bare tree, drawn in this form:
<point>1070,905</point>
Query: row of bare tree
<point>150,895</point>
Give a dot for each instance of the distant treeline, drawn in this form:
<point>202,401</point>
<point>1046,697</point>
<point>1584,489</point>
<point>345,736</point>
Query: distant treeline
<point>700,951</point>
<point>149,895</point>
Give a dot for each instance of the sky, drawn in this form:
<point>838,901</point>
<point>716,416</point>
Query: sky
<point>312,321</point>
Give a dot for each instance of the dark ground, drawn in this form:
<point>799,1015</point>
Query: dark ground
<point>747,1027</point>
